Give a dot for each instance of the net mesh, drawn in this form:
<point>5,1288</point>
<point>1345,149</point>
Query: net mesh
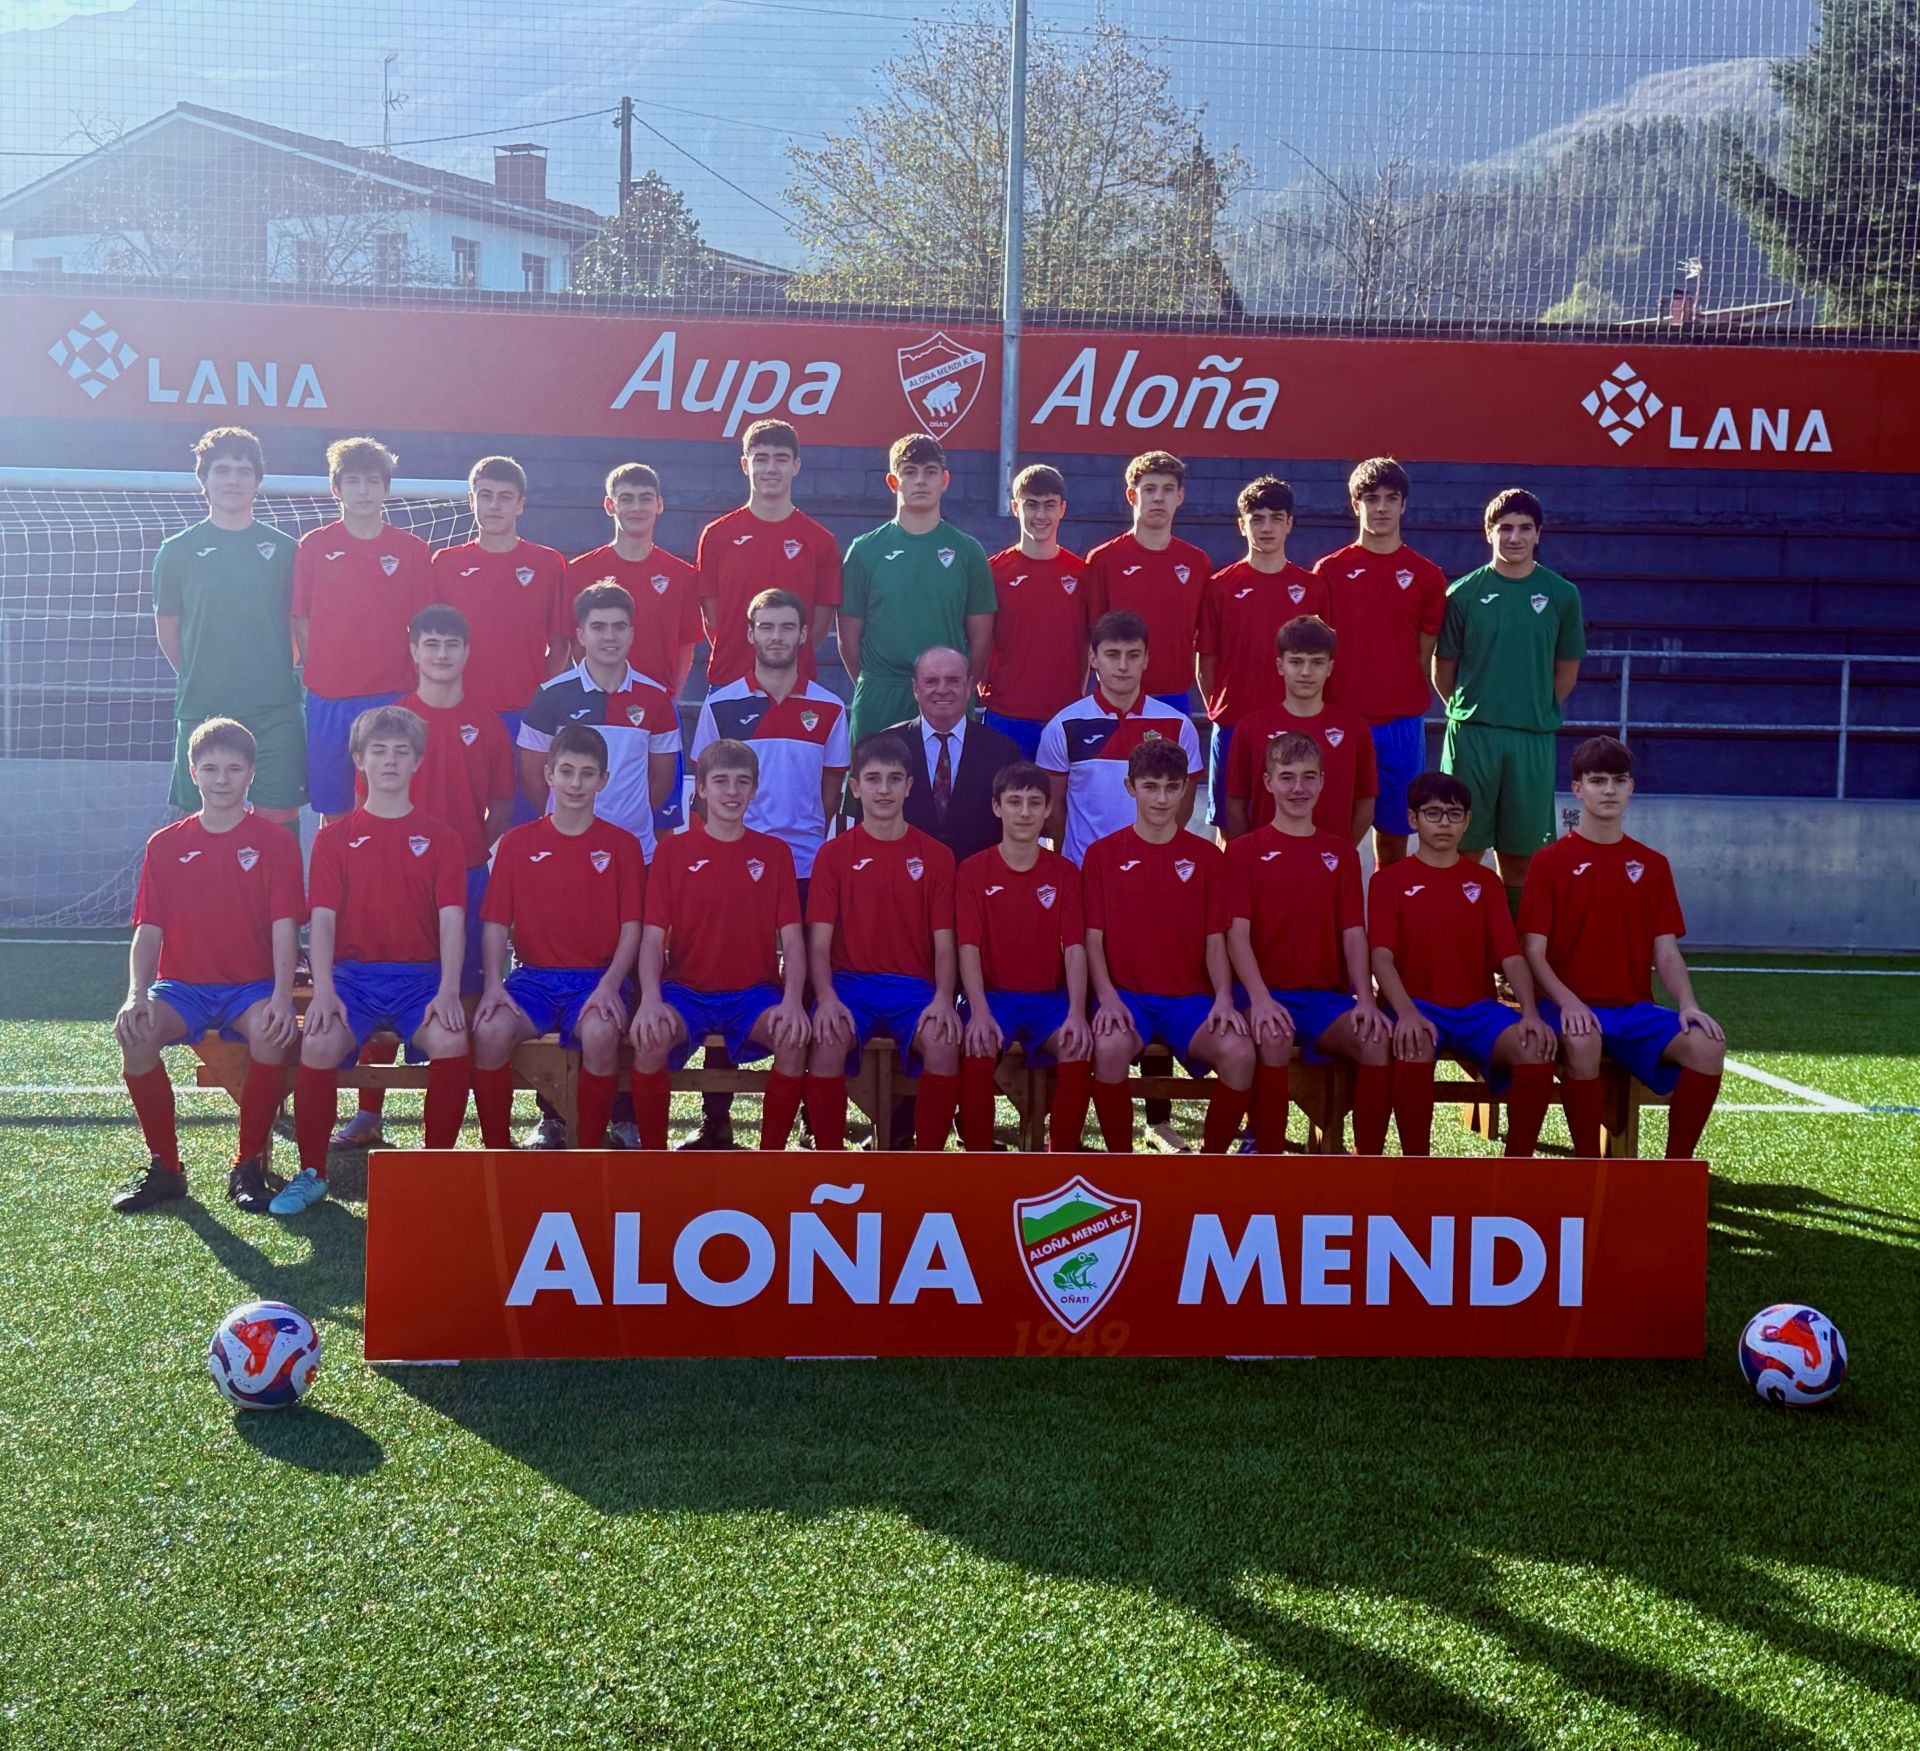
<point>1264,163</point>
<point>86,698</point>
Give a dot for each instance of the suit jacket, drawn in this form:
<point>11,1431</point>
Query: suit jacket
<point>971,823</point>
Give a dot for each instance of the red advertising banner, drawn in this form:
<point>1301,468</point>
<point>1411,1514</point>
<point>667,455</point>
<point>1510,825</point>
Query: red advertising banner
<point>1270,398</point>
<point>481,1256</point>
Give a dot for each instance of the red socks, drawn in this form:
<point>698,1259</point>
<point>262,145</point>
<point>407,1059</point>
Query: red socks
<point>152,1092</point>
<point>447,1080</point>
<point>1270,1109</point>
<point>315,1097</point>
<point>827,1110</point>
<point>976,1102</point>
<point>260,1097</point>
<point>1113,1107</point>
<point>933,1111</point>
<point>493,1103</point>
<point>1527,1106</point>
<point>651,1090</point>
<point>1226,1107</point>
<point>1372,1107</point>
<point>784,1094</point>
<point>374,1100</point>
<point>596,1108</point>
<point>1413,1105</point>
<point>1072,1094</point>
<point>1582,1101</point>
<point>1687,1113</point>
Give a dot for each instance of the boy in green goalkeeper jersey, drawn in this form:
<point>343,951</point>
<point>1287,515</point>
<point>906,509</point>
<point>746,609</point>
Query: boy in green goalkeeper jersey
<point>909,585</point>
<point>1507,657</point>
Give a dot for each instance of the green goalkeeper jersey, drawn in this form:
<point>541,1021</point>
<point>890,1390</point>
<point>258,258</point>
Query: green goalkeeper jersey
<point>1506,634</point>
<point>233,592</point>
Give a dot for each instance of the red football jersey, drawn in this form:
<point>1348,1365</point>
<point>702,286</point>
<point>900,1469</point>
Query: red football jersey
<point>1298,895</point>
<point>723,904</point>
<point>1381,604</point>
<point>1021,921</point>
<point>1600,907</point>
<point>1039,661</point>
<point>216,896</point>
<point>468,765</point>
<point>1448,930</point>
<point>517,607</point>
<point>1164,589</point>
<point>565,896</point>
<point>357,597</point>
<point>1157,904</point>
<point>666,605</point>
<point>1349,769</point>
<point>1241,614</point>
<point>738,557</point>
<point>385,882</point>
<point>884,898</point>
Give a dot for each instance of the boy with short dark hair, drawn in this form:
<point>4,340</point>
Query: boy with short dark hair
<point>1440,933</point>
<point>1023,963</point>
<point>1298,944</point>
<point>216,931</point>
<point>356,584</point>
<point>1598,911</point>
<point>880,946</point>
<point>722,952</point>
<point>1157,912</point>
<point>1151,572</point>
<point>388,908</point>
<point>1039,661</point>
<point>1350,774</point>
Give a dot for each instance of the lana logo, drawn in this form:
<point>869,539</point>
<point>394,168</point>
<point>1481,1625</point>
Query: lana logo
<point>1069,584</point>
<point>600,860</point>
<point>755,868</point>
<point>469,733</point>
<point>916,868</point>
<point>525,574</point>
<point>1183,572</point>
<point>1183,868</point>
<point>1539,603</point>
<point>696,868</point>
<point>1635,871</point>
<point>266,549</point>
<point>1404,579</point>
<point>1331,859</point>
<point>389,563</point>
<point>92,354</point>
<point>660,582</point>
<point>190,856</point>
<point>636,715</point>
<point>1620,422</point>
<point>337,553</point>
<point>355,844</point>
<point>1581,868</point>
<point>1076,1243</point>
<point>1046,896</point>
<point>940,378</point>
<point>418,843</point>
<point>248,856</point>
<point>540,857</point>
<point>1297,593</point>
<point>945,557</point>
<point>789,546</point>
<point>1471,890</point>
<point>862,863</point>
<point>1335,738</point>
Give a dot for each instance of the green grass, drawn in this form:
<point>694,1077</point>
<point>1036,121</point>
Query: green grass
<point>1004,1554</point>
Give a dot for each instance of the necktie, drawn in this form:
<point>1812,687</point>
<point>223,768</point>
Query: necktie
<point>943,777</point>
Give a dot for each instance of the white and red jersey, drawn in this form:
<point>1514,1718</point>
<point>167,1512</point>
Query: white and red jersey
<point>1240,618</point>
<point>215,898</point>
<point>517,606</point>
<point>1299,895</point>
<point>1382,605</point>
<point>1155,906</point>
<point>723,904</point>
<point>1021,920</point>
<point>884,898</point>
<point>385,881</point>
<point>638,720</point>
<point>565,896</point>
<point>1448,929</point>
<point>739,556</point>
<point>1349,767</point>
<point>797,741</point>
<point>666,604</point>
<point>357,597</point>
<point>1600,908</point>
<point>1164,588</point>
<point>1039,660</point>
<point>1089,743</point>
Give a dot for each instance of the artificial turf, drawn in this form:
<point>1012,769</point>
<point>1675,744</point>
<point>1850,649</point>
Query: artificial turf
<point>1035,1553</point>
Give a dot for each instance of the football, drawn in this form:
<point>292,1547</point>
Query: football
<point>1792,1354</point>
<point>264,1356</point>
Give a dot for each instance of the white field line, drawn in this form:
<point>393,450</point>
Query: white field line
<point>1826,1103</point>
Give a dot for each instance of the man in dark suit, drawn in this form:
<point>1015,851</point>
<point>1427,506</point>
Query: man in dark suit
<point>954,760</point>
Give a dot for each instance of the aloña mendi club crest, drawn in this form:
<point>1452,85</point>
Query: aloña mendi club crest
<point>1076,1243</point>
<point>940,378</point>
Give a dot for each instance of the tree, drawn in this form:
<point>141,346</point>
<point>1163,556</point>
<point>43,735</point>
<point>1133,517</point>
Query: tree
<point>1841,213</point>
<point>1122,191</point>
<point>651,248</point>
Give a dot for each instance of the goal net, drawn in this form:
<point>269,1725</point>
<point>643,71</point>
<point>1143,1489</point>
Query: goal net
<point>86,698</point>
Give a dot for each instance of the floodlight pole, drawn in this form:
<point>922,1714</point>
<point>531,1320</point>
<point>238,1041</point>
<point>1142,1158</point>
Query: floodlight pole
<point>1012,292</point>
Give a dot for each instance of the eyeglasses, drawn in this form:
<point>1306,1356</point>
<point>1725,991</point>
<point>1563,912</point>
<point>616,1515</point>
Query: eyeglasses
<point>1444,817</point>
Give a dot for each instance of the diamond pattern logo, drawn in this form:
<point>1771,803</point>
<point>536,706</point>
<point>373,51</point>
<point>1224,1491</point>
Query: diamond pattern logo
<point>92,354</point>
<point>1622,404</point>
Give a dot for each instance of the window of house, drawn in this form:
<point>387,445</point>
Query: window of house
<point>309,258</point>
<point>466,261</point>
<point>533,273</point>
<point>389,255</point>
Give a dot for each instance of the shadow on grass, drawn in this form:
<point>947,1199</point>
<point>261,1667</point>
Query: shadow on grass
<point>312,1439</point>
<point>328,1283</point>
<point>1285,1501</point>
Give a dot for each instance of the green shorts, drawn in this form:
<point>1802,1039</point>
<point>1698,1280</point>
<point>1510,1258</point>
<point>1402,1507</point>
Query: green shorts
<point>1510,773</point>
<point>280,758</point>
<point>878,702</point>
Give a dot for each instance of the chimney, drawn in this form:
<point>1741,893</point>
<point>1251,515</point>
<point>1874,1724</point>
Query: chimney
<point>520,173</point>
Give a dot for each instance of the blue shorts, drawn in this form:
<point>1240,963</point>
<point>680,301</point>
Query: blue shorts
<point>730,1014</point>
<point>1633,1035</point>
<point>1400,747</point>
<point>1179,701</point>
<point>1470,1031</point>
<point>384,994</point>
<point>1217,775</point>
<point>329,763</point>
<point>1023,732</point>
<point>1173,1021</point>
<point>1027,1018</point>
<point>211,1008</point>
<point>523,811</point>
<point>552,997</point>
<point>883,1003</point>
<point>1313,1012</point>
<point>471,978</point>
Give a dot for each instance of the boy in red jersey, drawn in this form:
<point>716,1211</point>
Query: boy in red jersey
<point>1441,930</point>
<point>1298,943</point>
<point>1387,603</point>
<point>356,584</point>
<point>570,889</point>
<point>1023,963</point>
<point>1169,981</point>
<point>722,952</point>
<point>1241,613</point>
<point>216,931</point>
<point>1598,910</point>
<point>765,544</point>
<point>1039,660</point>
<point>1350,775</point>
<point>1151,572</point>
<point>881,953</point>
<point>388,907</point>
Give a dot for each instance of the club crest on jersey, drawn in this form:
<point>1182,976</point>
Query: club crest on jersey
<point>1075,1243</point>
<point>1335,738</point>
<point>1150,735</point>
<point>1404,579</point>
<point>1471,890</point>
<point>525,574</point>
<point>1635,871</point>
<point>600,860</point>
<point>389,563</point>
<point>636,715</point>
<point>660,581</point>
<point>809,721</point>
<point>266,549</point>
<point>755,868</point>
<point>1069,584</point>
<point>940,378</point>
<point>1297,593</point>
<point>1183,572</point>
<point>469,733</point>
<point>790,547</point>
<point>1331,859</point>
<point>417,843</point>
<point>1183,868</point>
<point>945,556</point>
<point>248,856</point>
<point>916,868</point>
<point>1046,896</point>
<point>1539,603</point>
